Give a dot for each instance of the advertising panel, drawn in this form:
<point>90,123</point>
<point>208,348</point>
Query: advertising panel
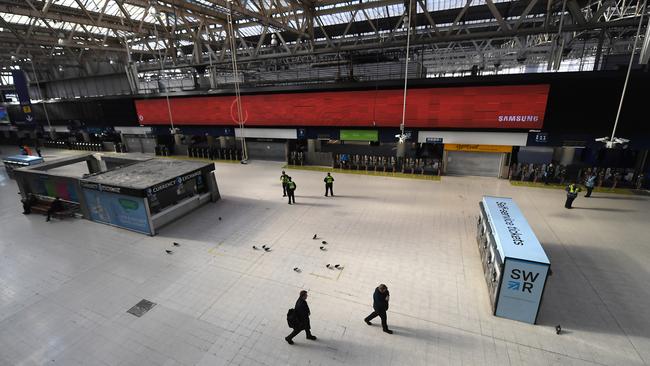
<point>521,290</point>
<point>359,135</point>
<point>511,107</point>
<point>116,209</point>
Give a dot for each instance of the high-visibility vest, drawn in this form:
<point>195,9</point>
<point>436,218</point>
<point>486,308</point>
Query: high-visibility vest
<point>284,179</point>
<point>291,185</point>
<point>329,179</point>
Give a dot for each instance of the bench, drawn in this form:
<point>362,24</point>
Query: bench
<point>43,203</point>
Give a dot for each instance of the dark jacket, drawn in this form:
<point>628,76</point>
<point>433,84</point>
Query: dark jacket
<point>56,205</point>
<point>380,301</point>
<point>302,314</point>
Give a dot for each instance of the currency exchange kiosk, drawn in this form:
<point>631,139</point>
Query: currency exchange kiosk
<point>514,262</point>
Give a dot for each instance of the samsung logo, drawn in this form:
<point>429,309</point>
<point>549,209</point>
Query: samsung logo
<point>518,118</point>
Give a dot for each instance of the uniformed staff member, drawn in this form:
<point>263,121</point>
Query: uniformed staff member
<point>571,194</point>
<point>291,188</point>
<point>284,179</point>
<point>329,184</point>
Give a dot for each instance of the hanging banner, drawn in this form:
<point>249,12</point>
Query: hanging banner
<point>478,148</point>
<point>22,89</point>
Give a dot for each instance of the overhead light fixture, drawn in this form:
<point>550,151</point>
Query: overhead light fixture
<point>60,68</point>
<point>110,61</point>
<point>105,44</point>
<point>60,41</point>
<point>152,11</point>
<point>274,40</point>
<point>613,142</point>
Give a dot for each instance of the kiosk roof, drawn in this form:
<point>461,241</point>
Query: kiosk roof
<point>513,235</point>
<point>147,173</point>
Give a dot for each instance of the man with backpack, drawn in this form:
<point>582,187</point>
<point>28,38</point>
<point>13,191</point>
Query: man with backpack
<point>298,319</point>
<point>291,188</point>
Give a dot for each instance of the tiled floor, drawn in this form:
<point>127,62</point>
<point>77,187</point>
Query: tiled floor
<point>65,286</point>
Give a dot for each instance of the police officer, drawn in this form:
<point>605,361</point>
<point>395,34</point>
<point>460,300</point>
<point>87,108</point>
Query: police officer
<point>571,194</point>
<point>284,179</point>
<point>291,188</point>
<point>329,184</point>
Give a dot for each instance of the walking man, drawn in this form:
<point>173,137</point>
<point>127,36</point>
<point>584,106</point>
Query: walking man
<point>589,183</point>
<point>571,194</point>
<point>284,179</point>
<point>329,184</point>
<point>301,320</point>
<point>291,188</point>
<point>380,304</point>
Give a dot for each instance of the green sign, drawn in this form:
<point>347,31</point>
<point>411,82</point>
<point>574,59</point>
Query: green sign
<point>359,135</point>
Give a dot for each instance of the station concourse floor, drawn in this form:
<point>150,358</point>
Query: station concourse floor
<point>65,286</point>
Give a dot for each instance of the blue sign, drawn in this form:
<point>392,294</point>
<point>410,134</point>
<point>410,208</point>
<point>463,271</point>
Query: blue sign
<point>541,137</point>
<point>22,89</point>
<point>116,209</point>
<point>434,140</point>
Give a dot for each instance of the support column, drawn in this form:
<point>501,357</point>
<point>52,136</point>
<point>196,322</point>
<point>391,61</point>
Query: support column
<point>210,140</point>
<point>567,155</point>
<point>313,145</point>
<point>401,149</point>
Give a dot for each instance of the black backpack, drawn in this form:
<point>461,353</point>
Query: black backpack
<point>291,318</point>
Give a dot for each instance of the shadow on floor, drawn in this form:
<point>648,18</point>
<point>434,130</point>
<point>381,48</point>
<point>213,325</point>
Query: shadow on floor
<point>587,286</point>
<point>610,209</point>
<point>625,198</point>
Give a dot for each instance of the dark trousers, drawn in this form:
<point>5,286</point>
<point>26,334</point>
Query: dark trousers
<point>569,201</point>
<point>49,214</point>
<point>382,315</point>
<point>284,189</point>
<point>291,196</point>
<point>329,187</point>
<point>298,330</point>
<point>589,189</point>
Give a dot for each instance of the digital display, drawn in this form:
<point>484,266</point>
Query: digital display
<point>511,107</point>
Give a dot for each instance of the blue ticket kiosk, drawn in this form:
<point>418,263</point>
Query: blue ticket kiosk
<point>514,262</point>
<point>19,161</point>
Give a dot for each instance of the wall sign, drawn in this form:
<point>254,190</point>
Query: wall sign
<point>478,148</point>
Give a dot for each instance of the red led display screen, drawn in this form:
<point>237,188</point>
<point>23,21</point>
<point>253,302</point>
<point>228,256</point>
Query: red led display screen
<point>520,106</point>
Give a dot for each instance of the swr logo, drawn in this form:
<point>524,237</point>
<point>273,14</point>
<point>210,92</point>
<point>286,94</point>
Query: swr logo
<point>524,280</point>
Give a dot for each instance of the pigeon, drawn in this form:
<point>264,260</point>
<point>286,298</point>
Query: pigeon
<point>315,237</point>
<point>323,242</point>
<point>256,248</point>
<point>558,329</point>
<point>168,251</point>
<point>338,266</point>
<point>176,244</point>
<point>296,269</point>
<point>219,218</point>
<point>322,248</point>
<point>329,266</point>
<point>264,246</point>
<point>267,249</point>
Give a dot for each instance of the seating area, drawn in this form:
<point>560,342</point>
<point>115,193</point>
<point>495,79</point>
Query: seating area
<point>40,204</point>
